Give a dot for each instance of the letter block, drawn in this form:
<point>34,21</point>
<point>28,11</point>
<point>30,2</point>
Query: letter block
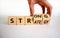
<point>46,18</point>
<point>28,20</point>
<point>38,19</point>
<point>20,20</point>
<point>12,20</point>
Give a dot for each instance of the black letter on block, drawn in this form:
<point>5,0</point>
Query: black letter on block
<point>20,19</point>
<point>45,16</point>
<point>28,20</point>
<point>46,21</point>
<point>12,21</point>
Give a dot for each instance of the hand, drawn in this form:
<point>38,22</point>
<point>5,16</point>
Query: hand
<point>42,3</point>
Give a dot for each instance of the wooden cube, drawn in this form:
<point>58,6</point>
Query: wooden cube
<point>12,20</point>
<point>38,19</point>
<point>28,20</point>
<point>46,18</point>
<point>20,20</point>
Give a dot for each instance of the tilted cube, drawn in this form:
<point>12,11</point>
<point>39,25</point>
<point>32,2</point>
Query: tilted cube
<point>46,18</point>
<point>38,19</point>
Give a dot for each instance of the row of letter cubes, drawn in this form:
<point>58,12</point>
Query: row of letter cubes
<point>36,19</point>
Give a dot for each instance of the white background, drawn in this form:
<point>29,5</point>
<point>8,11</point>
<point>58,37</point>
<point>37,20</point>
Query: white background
<point>21,8</point>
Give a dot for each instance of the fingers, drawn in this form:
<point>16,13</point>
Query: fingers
<point>31,6</point>
<point>43,9</point>
<point>42,6</point>
<point>31,10</point>
<point>49,7</point>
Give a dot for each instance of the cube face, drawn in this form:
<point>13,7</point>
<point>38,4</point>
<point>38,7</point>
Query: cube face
<point>38,19</point>
<point>12,20</point>
<point>46,21</point>
<point>20,20</point>
<point>46,18</point>
<point>28,20</point>
<point>38,16</point>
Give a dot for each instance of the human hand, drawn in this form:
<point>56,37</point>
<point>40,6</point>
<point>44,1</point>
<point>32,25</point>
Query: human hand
<point>42,3</point>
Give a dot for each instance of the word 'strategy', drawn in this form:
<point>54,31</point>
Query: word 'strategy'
<point>36,19</point>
